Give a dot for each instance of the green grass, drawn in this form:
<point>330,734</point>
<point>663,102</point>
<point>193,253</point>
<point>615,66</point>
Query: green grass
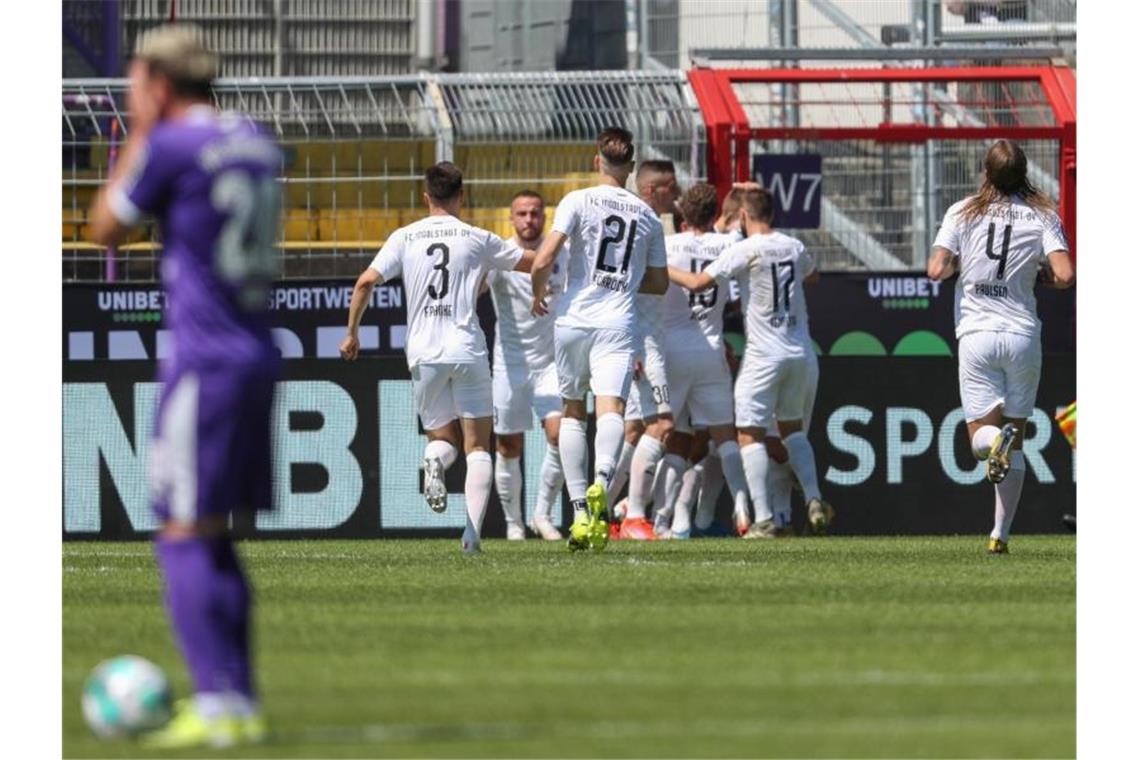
<point>916,647</point>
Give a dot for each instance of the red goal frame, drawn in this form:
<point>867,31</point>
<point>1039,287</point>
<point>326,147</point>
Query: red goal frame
<point>728,130</point>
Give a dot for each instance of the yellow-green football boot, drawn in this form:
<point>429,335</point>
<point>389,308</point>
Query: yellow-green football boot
<point>188,728</point>
<point>997,546</point>
<point>579,531</point>
<point>599,527</point>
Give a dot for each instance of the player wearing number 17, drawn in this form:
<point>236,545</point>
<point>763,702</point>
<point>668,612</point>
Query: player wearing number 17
<point>1003,239</point>
<point>211,181</point>
<point>617,249</point>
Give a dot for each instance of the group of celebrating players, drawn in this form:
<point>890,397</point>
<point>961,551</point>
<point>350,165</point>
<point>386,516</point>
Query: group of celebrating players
<point>624,312</point>
<point>606,303</point>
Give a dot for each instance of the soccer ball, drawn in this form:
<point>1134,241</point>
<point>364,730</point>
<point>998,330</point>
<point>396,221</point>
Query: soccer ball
<point>126,695</point>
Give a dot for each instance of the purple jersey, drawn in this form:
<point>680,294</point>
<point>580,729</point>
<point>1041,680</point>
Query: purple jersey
<point>210,179</point>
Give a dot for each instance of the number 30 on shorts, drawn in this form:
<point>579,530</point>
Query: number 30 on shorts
<point>660,394</point>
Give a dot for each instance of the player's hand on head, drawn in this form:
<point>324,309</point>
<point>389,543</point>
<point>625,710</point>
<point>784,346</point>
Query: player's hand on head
<point>349,348</point>
<point>141,104</point>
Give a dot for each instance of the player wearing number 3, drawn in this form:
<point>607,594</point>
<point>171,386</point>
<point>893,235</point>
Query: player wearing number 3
<point>1002,239</point>
<point>443,261</point>
<point>617,249</point>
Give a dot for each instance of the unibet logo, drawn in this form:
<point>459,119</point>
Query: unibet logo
<point>903,292</point>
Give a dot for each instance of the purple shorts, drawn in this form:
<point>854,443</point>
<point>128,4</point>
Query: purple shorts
<point>211,452</point>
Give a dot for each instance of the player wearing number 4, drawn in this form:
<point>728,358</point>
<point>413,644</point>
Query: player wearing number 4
<point>443,261</point>
<point>775,374</point>
<point>617,249</point>
<point>1002,239</point>
<point>211,181</point>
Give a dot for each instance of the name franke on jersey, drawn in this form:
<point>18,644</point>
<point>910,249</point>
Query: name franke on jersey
<point>437,310</point>
<point>432,233</point>
<point>610,282</point>
<point>993,291</point>
<point>615,205</point>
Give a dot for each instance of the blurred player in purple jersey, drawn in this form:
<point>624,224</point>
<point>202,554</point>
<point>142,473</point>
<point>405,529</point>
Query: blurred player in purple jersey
<point>210,180</point>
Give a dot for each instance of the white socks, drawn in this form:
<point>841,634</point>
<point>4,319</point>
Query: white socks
<point>641,471</point>
<point>673,470</point>
<point>733,466</point>
<point>780,491</point>
<point>551,486</point>
<point>802,460</point>
<point>621,474</point>
<point>712,483</point>
<point>443,451</point>
<point>690,488</point>
<point>575,456</point>
<point>1006,495</point>
<point>477,489</point>
<point>508,484</point>
<point>755,458</point>
<point>608,442</point>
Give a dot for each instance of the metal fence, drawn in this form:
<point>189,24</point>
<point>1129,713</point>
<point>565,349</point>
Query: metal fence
<point>355,150</point>
<point>671,29</point>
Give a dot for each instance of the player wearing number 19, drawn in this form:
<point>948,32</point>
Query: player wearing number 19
<point>1003,239</point>
<point>775,375</point>
<point>443,261</point>
<point>211,181</point>
<point>617,249</point>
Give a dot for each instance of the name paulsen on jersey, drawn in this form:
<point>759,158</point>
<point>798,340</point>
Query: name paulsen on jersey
<point>610,282</point>
<point>992,291</point>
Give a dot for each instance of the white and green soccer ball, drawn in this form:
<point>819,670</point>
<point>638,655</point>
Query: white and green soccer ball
<point>126,695</point>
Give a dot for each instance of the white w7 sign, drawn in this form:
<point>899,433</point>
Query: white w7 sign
<point>795,183</point>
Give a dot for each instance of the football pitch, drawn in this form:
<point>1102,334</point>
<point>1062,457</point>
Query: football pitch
<point>848,647</point>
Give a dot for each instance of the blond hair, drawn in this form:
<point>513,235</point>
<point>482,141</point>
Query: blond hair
<point>179,52</point>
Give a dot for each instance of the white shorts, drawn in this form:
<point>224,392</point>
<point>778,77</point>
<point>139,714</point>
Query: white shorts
<point>809,396</point>
<point>701,388</point>
<point>998,369</point>
<point>517,391</point>
<point>445,392</point>
<point>771,388</point>
<point>649,395</point>
<point>593,359</point>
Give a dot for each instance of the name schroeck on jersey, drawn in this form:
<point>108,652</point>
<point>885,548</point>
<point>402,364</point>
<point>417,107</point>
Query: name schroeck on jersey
<point>991,291</point>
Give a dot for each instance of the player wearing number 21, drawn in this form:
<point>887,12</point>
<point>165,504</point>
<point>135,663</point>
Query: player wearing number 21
<point>211,181</point>
<point>443,262</point>
<point>1004,238</point>
<point>616,250</point>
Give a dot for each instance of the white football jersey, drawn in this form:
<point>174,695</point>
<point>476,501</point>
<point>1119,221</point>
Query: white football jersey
<point>442,261</point>
<point>776,319</point>
<point>695,321</point>
<point>521,338</point>
<point>999,253</point>
<point>612,237</point>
